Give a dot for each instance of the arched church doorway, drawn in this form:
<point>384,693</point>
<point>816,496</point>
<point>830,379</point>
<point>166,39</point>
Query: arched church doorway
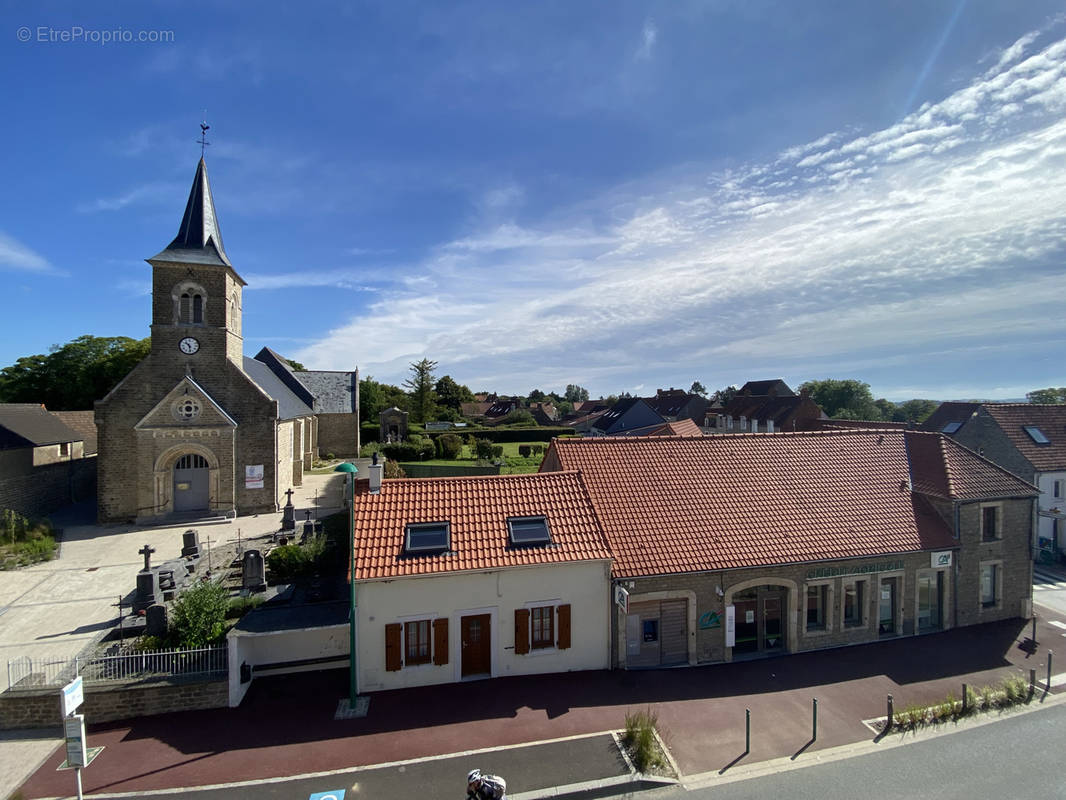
<point>191,483</point>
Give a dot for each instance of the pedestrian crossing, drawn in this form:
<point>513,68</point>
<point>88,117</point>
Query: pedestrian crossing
<point>1045,580</point>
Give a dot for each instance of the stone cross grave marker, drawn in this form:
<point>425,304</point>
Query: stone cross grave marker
<point>147,551</point>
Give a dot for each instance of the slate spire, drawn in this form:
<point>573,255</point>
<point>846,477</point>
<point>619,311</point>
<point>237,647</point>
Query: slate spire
<point>199,238</point>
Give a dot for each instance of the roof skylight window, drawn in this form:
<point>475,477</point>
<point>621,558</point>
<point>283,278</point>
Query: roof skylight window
<point>951,427</point>
<point>529,530</point>
<point>1036,434</point>
<point>427,537</point>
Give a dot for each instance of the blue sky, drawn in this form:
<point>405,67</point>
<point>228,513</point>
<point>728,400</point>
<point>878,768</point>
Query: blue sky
<point>621,195</point>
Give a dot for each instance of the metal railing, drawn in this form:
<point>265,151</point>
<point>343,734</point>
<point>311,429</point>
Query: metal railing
<point>202,661</point>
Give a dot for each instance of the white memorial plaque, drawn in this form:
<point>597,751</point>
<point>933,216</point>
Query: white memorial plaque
<point>730,626</point>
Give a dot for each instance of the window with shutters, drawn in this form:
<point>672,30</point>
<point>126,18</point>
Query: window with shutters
<point>542,627</point>
<point>414,642</point>
<point>543,621</point>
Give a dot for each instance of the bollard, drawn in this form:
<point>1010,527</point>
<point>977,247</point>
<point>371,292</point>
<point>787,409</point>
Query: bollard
<point>890,716</point>
<point>1049,654</point>
<point>1032,680</point>
<point>747,731</point>
<point>964,699</point>
<point>814,719</point>
<point>1033,637</point>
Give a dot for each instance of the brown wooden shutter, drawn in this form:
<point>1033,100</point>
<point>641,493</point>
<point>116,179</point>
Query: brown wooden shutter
<point>564,627</point>
<point>521,631</point>
<point>393,662</point>
<point>440,641</point>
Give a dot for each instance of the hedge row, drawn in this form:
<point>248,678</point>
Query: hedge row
<point>495,435</point>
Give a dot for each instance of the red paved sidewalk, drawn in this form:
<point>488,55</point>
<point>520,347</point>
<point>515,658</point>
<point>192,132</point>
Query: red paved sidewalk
<point>285,725</point>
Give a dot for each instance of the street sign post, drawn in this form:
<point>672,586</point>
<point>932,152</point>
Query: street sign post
<point>72,695</point>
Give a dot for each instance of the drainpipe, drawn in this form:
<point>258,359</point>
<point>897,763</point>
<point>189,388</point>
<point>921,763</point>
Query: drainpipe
<point>955,589</point>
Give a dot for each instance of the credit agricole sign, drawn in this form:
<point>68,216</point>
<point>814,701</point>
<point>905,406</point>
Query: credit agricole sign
<point>854,569</point>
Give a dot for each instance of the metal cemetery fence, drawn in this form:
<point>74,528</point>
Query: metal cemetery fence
<point>202,661</point>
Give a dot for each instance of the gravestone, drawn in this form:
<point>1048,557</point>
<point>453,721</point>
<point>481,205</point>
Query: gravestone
<point>309,528</point>
<point>288,518</point>
<point>147,582</point>
<point>190,541</point>
<point>253,571</point>
<point>148,592</point>
<point>155,620</point>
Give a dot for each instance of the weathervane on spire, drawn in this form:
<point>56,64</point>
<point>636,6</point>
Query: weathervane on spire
<point>204,128</point>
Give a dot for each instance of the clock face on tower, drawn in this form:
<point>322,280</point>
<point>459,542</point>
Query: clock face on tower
<point>188,345</point>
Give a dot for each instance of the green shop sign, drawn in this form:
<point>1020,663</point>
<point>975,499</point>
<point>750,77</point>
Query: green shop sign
<point>854,569</point>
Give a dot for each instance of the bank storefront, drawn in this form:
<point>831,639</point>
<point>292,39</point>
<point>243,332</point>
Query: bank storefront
<point>763,611</point>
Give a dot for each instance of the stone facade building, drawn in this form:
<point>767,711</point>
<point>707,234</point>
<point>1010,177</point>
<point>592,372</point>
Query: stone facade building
<point>197,427</point>
<point>729,547</point>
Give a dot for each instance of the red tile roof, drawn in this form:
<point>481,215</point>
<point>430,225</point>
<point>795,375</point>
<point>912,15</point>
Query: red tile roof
<point>1050,419</point>
<point>477,509</point>
<point>942,467</point>
<point>671,505</point>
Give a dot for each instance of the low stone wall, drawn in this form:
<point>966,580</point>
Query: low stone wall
<point>112,701</point>
<point>49,488</point>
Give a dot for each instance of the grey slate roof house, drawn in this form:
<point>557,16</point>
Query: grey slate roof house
<point>624,416</point>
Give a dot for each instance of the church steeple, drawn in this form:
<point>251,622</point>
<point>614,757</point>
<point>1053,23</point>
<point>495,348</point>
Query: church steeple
<point>199,239</point>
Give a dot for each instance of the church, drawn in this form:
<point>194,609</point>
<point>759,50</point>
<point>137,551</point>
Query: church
<point>197,428</point>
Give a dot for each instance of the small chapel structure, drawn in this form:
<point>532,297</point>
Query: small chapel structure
<point>197,428</point>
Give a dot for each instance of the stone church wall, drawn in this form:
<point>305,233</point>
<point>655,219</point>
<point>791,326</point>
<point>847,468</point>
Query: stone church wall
<point>338,434</point>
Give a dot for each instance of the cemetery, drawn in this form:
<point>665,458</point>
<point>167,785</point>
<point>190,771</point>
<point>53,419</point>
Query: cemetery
<point>187,614</point>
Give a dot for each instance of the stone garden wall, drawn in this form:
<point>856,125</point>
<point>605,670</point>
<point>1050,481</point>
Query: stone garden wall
<point>108,702</point>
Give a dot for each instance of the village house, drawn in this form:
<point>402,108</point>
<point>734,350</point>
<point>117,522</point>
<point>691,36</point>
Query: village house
<point>729,547</point>
<point>479,577</point>
<point>43,464</point>
<point>1029,439</point>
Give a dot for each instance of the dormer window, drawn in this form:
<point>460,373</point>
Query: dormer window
<point>529,530</point>
<point>1036,434</point>
<point>427,537</point>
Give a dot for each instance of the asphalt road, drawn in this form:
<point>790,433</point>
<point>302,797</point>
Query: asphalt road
<point>1018,756</point>
<point>1049,590</point>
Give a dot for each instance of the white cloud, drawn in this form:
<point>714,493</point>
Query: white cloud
<point>944,230</point>
<point>17,256</point>
<point>150,193</point>
<point>649,35</point>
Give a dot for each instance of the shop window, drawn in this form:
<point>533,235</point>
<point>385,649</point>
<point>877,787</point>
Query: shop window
<point>989,585</point>
<point>816,607</point>
<point>854,604</point>
<point>990,519</point>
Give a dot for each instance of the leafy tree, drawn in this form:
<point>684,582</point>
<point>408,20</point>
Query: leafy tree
<point>450,445</point>
<point>843,399</point>
<point>483,449</point>
<point>519,417</point>
<point>886,409</point>
<point>1051,395</point>
<point>375,397</point>
<point>452,394</point>
<point>698,388</point>
<point>74,375</point>
<point>537,396</point>
<point>724,396</point>
<point>296,366</point>
<point>564,407</point>
<point>199,614</point>
<point>916,410</point>
<point>420,389</point>
<point>575,393</point>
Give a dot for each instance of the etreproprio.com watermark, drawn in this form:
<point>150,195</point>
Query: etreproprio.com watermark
<point>76,34</point>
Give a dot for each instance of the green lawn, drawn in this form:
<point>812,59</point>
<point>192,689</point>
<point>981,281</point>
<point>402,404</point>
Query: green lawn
<point>514,463</point>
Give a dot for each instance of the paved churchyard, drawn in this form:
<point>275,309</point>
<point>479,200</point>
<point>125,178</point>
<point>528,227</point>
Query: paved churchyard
<point>52,611</point>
